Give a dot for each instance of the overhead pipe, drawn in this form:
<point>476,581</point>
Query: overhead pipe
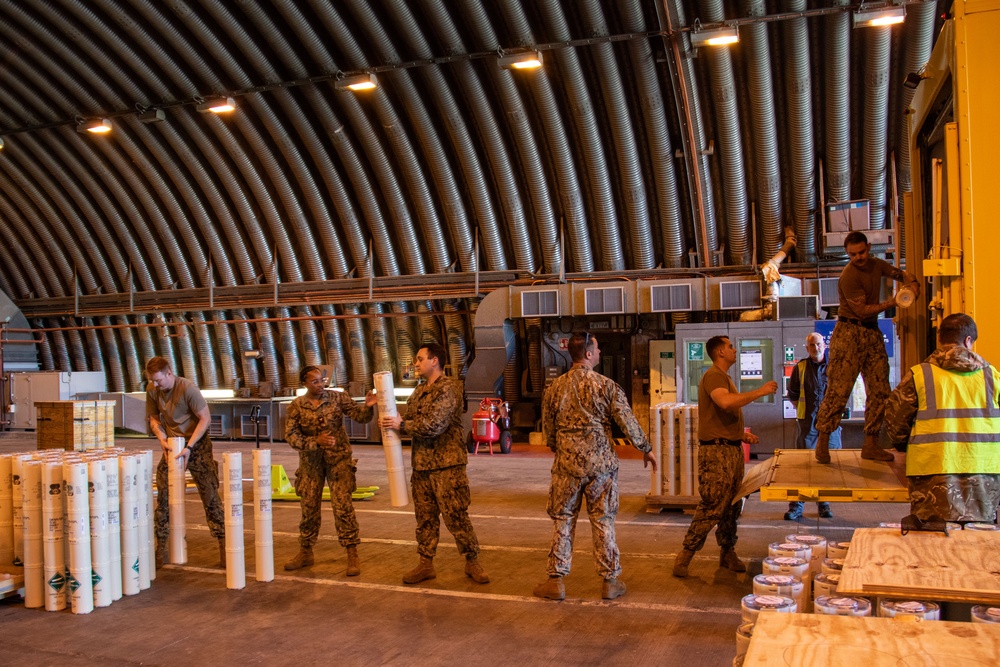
<point>874,161</point>
<point>37,283</point>
<point>837,104</point>
<point>112,356</point>
<point>132,358</point>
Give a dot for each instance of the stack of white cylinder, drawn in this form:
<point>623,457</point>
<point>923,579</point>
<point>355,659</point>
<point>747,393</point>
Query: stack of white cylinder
<point>674,435</point>
<point>31,517</point>
<point>263,515</point>
<point>782,584</point>
<point>78,532</point>
<point>232,469</point>
<point>100,550</point>
<point>175,493</point>
<point>128,486</point>
<point>386,397</point>
<point>53,542</point>
<point>6,510</point>
<point>114,528</point>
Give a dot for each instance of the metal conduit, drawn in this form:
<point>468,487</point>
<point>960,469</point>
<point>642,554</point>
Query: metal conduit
<point>45,359</point>
<point>205,351</point>
<point>382,356</point>
<point>244,335</point>
<point>661,152</point>
<point>333,347</point>
<point>289,348</point>
<point>133,368</point>
<point>837,104</point>
<point>919,39</point>
<point>875,128</point>
<point>360,370</point>
<point>60,349</point>
<point>588,137</point>
<point>165,346</point>
<point>147,348</point>
<point>226,355</point>
<point>12,244</point>
<point>765,132</point>
<point>268,350</point>
<point>798,79</point>
<point>94,354</point>
<point>456,336</point>
<point>187,353</point>
<point>112,356</point>
<point>78,355</point>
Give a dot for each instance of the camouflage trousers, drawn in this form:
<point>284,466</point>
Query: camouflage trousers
<point>855,349</point>
<point>720,473</point>
<point>965,498</point>
<point>438,494</point>
<point>310,478</point>
<point>205,473</point>
<point>565,498</point>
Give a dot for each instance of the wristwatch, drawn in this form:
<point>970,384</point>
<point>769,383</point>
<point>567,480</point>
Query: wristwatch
<point>401,422</point>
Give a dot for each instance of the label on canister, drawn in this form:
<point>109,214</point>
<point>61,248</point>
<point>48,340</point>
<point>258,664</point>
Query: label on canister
<point>792,549</point>
<point>983,614</point>
<point>752,604</point>
<point>842,606</point>
<point>781,584</point>
<point>796,567</point>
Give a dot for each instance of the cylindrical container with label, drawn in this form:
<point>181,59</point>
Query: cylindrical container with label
<point>142,476</point>
<point>842,606</point>
<point>80,582</point>
<point>905,297</point>
<point>796,567</point>
<point>743,635</point>
<point>150,536</point>
<point>177,547</point>
<point>983,614</point>
<point>6,510</point>
<point>752,605</point>
<point>781,584</point>
<point>263,517</point>
<point>818,544</point>
<point>114,527</point>
<point>100,550</point>
<point>790,549</point>
<point>17,507</point>
<point>825,585</point>
<point>981,526</point>
<point>386,398</point>
<point>53,547</point>
<point>128,495</point>
<point>837,549</point>
<point>833,565</point>
<point>31,517</point>
<point>928,611</point>
<point>232,482</point>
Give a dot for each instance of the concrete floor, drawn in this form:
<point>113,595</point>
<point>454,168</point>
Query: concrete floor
<point>317,615</point>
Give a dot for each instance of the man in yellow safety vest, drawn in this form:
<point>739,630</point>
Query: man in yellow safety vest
<point>945,415</point>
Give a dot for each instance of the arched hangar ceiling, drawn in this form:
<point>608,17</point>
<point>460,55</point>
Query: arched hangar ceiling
<point>315,224</point>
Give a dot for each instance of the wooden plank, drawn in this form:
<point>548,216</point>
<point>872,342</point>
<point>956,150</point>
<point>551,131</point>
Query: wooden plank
<point>655,504</point>
<point>810,640</point>
<point>962,566</point>
<point>795,475</point>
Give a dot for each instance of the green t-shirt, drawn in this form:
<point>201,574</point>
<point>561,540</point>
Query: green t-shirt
<point>713,421</point>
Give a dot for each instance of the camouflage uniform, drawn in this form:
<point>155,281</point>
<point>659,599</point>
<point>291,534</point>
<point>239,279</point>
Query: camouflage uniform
<point>720,474</point>
<point>439,483</point>
<point>319,466</point>
<point>855,349</point>
<point>577,410</point>
<point>963,498</point>
<point>202,466</point>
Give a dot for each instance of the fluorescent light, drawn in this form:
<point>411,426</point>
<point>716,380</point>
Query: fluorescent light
<point>357,82</point>
<point>881,16</point>
<point>217,105</point>
<point>521,60</point>
<point>96,126</point>
<point>217,393</point>
<point>715,37</point>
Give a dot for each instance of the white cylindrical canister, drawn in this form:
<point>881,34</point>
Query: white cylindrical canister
<point>54,557</point>
<point>752,605</point>
<point>656,440</point>
<point>796,567</point>
<point>825,585</point>
<point>836,549</point>
<point>905,297</point>
<point>81,587</point>
<point>263,515</point>
<point>790,549</point>
<point>31,517</point>
<point>668,434</point>
<point>981,526</point>
<point>129,516</point>
<point>150,536</point>
<point>142,496</point>
<point>386,395</point>
<point>743,635</point>
<point>687,430</point>
<point>781,584</point>
<point>114,527</point>
<point>818,545</point>
<point>6,510</point>
<point>177,551</point>
<point>100,550</point>
<point>842,606</point>
<point>927,611</point>
<point>983,614</point>
<point>17,507</point>
<point>833,565</point>
<point>890,524</point>
<point>232,469</point>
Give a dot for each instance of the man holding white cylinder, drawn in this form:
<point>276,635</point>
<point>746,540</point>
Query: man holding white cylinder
<point>315,428</point>
<point>175,408</point>
<point>439,483</point>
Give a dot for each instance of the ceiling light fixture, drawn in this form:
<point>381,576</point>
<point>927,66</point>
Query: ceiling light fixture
<point>873,17</point>
<point>152,116</point>
<point>217,105</point>
<point>357,82</point>
<point>95,126</point>
<point>721,36</point>
<point>521,60</point>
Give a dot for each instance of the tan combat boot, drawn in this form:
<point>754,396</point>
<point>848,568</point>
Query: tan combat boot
<point>873,452</point>
<point>422,572</point>
<point>681,563</point>
<point>475,571</point>
<point>729,560</point>
<point>304,558</point>
<point>222,552</point>
<point>823,448</point>
<point>551,589</point>
<point>612,588</point>
<point>353,566</point>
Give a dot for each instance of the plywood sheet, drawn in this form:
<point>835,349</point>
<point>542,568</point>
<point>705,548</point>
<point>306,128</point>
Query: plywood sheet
<point>810,640</point>
<point>962,566</point>
<point>795,475</point>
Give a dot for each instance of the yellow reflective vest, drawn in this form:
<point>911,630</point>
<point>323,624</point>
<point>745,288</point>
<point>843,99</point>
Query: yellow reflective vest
<point>957,426</point>
<point>800,409</point>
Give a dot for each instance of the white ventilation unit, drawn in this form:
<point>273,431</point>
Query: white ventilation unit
<point>670,298</point>
<point>739,295</point>
<point>540,303</point>
<point>604,300</point>
<point>216,426</point>
<point>828,294</point>
<point>797,307</point>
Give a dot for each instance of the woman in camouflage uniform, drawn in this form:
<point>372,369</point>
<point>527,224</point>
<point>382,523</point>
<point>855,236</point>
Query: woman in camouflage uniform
<point>315,427</point>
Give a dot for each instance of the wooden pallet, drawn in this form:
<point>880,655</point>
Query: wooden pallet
<point>656,504</point>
